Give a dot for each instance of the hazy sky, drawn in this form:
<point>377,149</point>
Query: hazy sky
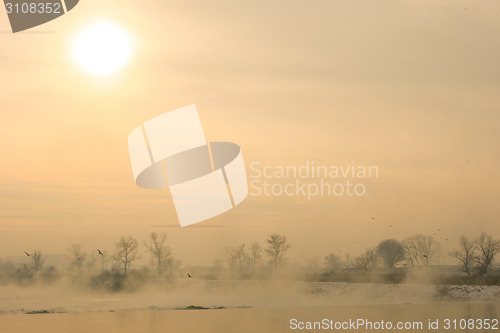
<point>409,86</point>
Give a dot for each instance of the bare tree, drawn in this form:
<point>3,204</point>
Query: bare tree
<point>487,248</point>
<point>126,252</point>
<point>37,261</point>
<point>236,257</point>
<point>391,251</point>
<point>77,257</point>
<point>371,254</point>
<point>367,260</point>
<point>160,252</point>
<point>230,253</point>
<point>276,249</point>
<point>332,262</point>
<point>361,262</point>
<point>466,254</point>
<point>420,249</point>
<point>255,254</point>
<point>411,251</point>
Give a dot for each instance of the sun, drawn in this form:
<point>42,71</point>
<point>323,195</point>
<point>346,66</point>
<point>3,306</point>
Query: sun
<point>102,48</point>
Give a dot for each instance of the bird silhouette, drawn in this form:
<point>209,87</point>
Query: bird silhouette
<point>28,254</point>
<point>100,252</point>
<point>189,275</point>
<point>425,256</point>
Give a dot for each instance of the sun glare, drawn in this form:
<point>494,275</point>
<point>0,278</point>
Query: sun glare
<point>102,48</point>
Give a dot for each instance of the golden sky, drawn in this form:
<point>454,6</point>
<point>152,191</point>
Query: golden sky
<point>409,86</point>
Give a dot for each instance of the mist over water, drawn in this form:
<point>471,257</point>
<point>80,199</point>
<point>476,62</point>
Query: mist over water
<point>63,296</point>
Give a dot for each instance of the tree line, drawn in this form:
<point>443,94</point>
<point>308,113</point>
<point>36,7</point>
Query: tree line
<point>241,260</point>
<point>474,255</point>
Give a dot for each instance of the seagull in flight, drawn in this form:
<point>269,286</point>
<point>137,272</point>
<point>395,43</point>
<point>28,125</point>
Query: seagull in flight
<point>100,252</point>
<point>189,275</point>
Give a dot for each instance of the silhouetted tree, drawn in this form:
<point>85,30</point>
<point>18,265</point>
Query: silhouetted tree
<point>487,248</point>
<point>332,262</point>
<point>466,254</point>
<point>277,246</point>
<point>77,257</point>
<point>37,261</point>
<point>367,260</point>
<point>391,252</point>
<point>160,252</point>
<point>126,251</point>
<point>255,254</point>
<point>420,249</point>
<point>236,257</point>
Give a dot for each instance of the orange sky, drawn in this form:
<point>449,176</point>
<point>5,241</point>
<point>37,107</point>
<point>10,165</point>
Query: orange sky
<point>409,87</point>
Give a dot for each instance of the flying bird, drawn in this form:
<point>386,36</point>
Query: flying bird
<point>28,254</point>
<point>100,252</point>
<point>425,256</point>
<point>189,275</point>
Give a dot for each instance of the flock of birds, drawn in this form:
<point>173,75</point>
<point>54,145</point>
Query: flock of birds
<point>434,234</point>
